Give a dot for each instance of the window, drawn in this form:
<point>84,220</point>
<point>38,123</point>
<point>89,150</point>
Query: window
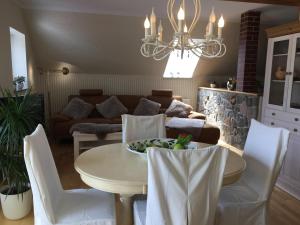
<point>178,67</point>
<point>18,59</point>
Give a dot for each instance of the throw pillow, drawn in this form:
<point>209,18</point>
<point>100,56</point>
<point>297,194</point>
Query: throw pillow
<point>178,109</point>
<point>78,109</point>
<point>111,107</point>
<point>147,107</point>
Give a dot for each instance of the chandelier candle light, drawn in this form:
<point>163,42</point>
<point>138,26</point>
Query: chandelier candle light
<point>211,46</point>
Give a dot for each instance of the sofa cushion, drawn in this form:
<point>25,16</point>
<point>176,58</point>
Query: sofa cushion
<point>92,99</point>
<point>147,107</point>
<point>165,93</point>
<point>117,120</point>
<point>130,101</point>
<point>90,92</point>
<point>208,134</point>
<point>78,109</point>
<point>111,108</point>
<point>179,109</point>
<point>196,115</point>
<point>164,101</point>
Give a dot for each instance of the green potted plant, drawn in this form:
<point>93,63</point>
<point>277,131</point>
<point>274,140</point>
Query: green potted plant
<point>19,116</point>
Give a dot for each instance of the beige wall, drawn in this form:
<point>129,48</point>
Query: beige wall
<point>12,16</point>
<point>104,44</point>
<point>104,51</point>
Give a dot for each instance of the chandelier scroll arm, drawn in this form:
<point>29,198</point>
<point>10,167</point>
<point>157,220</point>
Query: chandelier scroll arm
<point>171,14</point>
<point>197,5</point>
<point>211,46</point>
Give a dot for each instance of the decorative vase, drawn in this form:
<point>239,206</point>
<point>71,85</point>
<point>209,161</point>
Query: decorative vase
<point>213,84</point>
<point>231,84</point>
<point>280,73</point>
<point>15,207</point>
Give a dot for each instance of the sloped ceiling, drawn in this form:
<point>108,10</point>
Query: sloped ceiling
<point>231,10</point>
<point>103,36</point>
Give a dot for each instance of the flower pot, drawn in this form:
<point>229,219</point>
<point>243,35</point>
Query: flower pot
<point>15,207</point>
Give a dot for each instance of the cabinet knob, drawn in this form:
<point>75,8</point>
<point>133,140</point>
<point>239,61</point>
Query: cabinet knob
<point>289,73</point>
<point>272,124</point>
<point>295,130</point>
<point>273,114</point>
<point>296,119</point>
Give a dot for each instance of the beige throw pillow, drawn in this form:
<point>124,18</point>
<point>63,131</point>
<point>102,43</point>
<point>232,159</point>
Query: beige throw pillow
<point>178,109</point>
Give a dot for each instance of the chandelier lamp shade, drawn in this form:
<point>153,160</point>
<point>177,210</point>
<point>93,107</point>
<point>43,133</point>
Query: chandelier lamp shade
<point>211,46</point>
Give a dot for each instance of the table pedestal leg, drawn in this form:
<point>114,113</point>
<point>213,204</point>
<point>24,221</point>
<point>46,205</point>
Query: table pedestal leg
<point>126,214</point>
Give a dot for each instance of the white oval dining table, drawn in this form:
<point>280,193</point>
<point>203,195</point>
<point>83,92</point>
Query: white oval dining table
<point>112,168</point>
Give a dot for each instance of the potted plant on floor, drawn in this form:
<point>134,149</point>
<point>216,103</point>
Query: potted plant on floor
<point>19,116</point>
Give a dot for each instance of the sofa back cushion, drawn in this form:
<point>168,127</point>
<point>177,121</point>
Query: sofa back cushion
<point>130,101</point>
<point>164,93</point>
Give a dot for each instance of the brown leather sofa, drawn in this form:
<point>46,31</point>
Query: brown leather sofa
<point>61,124</point>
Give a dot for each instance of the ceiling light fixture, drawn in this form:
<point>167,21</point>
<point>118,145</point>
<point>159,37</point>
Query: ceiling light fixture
<point>211,46</point>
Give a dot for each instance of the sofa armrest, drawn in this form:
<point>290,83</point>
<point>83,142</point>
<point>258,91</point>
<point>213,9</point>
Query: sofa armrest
<point>208,134</point>
<point>196,115</point>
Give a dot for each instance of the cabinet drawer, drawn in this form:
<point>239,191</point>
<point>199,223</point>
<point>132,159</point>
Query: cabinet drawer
<point>293,128</point>
<point>275,123</point>
<point>283,116</point>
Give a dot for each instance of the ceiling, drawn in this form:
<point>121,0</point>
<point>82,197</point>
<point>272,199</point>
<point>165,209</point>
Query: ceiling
<point>231,10</point>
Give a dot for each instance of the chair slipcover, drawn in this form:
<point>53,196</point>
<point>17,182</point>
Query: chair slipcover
<point>183,187</point>
<point>142,127</point>
<point>245,202</point>
<point>52,204</point>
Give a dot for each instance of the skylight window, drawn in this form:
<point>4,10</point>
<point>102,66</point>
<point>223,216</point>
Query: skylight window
<point>18,58</point>
<point>178,67</point>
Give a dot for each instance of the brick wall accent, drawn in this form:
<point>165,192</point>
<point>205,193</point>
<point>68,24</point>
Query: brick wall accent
<point>249,34</point>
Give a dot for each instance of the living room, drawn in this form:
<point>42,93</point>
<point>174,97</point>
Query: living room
<point>213,70</point>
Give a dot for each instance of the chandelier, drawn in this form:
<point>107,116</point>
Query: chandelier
<point>211,46</point>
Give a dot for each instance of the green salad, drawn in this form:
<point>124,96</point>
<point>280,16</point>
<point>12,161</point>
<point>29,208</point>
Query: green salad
<point>141,146</point>
<point>176,144</point>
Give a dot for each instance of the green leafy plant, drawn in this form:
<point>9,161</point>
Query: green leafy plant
<point>19,116</point>
<point>176,144</point>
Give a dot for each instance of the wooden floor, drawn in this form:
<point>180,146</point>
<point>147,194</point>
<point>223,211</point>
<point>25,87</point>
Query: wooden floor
<point>284,209</point>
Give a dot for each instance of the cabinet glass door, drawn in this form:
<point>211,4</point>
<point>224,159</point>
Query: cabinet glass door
<point>278,72</point>
<point>295,93</point>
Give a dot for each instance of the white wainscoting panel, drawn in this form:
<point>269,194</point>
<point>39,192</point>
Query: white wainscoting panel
<point>60,87</point>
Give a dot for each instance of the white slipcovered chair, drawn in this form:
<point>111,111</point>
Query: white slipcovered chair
<point>245,202</point>
<point>142,127</point>
<point>52,204</point>
<point>183,187</point>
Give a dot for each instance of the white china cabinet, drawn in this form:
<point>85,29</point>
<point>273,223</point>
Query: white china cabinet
<point>281,105</point>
